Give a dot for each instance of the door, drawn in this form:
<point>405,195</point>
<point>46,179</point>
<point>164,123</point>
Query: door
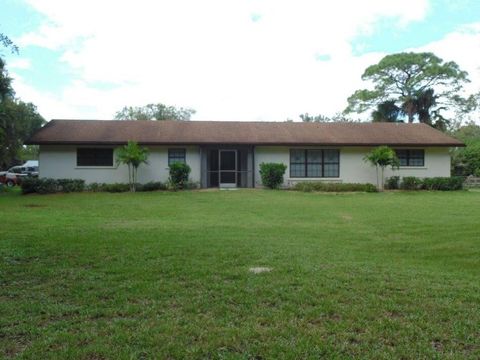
<point>228,168</point>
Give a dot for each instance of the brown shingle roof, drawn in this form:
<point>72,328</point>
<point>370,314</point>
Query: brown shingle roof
<point>226,132</point>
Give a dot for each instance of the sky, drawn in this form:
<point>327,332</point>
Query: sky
<point>250,60</point>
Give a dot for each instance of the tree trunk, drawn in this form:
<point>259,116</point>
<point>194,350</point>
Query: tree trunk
<point>129,176</point>
<point>411,117</point>
<point>382,181</point>
<point>134,179</point>
<point>378,185</point>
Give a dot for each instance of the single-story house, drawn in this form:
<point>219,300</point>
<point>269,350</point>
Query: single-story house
<point>229,154</point>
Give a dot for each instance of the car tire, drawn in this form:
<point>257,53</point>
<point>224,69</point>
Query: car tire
<point>10,183</point>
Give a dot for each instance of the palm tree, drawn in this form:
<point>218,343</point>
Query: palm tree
<point>133,156</point>
<point>381,157</point>
<point>386,111</point>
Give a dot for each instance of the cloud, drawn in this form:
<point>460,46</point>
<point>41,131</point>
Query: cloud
<point>230,60</point>
<point>21,63</point>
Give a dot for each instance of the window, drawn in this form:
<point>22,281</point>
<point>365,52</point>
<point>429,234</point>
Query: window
<point>94,157</point>
<point>176,155</point>
<point>314,163</point>
<point>411,157</point>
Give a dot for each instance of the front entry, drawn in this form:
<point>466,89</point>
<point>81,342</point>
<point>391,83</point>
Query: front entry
<point>228,168</point>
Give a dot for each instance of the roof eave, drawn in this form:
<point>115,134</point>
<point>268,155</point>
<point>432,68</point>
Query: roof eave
<point>148,143</point>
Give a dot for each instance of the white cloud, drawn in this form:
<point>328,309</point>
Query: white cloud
<point>21,63</point>
<point>230,60</point>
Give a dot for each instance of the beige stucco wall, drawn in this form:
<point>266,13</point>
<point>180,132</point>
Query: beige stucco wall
<point>352,167</point>
<point>59,162</point>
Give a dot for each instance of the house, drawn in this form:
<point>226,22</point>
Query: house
<point>229,154</point>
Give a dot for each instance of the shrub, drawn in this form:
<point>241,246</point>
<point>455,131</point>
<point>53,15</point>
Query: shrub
<point>116,187</point>
<point>411,183</point>
<point>151,186</point>
<point>477,172</point>
<point>308,186</point>
<point>392,182</point>
<point>29,185</point>
<point>94,187</point>
<point>70,185</point>
<point>179,173</point>
<point>443,183</point>
<point>192,185</point>
<point>272,174</point>
<point>51,186</point>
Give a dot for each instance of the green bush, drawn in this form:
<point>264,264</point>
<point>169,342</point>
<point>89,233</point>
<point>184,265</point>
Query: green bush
<point>116,187</point>
<point>29,185</point>
<point>392,183</point>
<point>192,185</point>
<point>94,187</point>
<point>50,186</point>
<point>411,183</point>
<point>477,172</point>
<point>179,173</point>
<point>70,185</point>
<point>151,186</point>
<point>308,186</point>
<point>443,183</point>
<point>272,174</point>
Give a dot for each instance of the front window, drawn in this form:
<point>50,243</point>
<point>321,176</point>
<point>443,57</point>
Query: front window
<point>94,157</point>
<point>314,163</point>
<point>176,155</point>
<point>411,157</point>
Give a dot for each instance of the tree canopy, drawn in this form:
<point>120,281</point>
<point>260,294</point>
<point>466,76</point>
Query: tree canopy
<point>415,85</point>
<point>306,117</point>
<point>466,161</point>
<point>18,120</point>
<point>154,112</point>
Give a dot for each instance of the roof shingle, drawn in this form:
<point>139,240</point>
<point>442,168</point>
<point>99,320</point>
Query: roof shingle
<point>237,132</point>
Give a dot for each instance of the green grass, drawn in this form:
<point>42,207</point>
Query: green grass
<point>166,275</point>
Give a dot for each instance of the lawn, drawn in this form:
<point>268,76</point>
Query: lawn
<point>166,275</point>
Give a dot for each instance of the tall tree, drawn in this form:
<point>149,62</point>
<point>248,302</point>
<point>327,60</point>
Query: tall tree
<point>404,78</point>
<point>387,111</point>
<point>6,90</point>
<point>18,121</point>
<point>154,112</point>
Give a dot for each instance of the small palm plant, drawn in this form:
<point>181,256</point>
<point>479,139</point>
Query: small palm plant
<point>381,157</point>
<point>133,156</point>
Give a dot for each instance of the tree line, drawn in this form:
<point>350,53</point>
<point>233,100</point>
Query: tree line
<point>18,119</point>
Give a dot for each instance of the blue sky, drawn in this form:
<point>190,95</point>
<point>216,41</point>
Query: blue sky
<point>236,60</point>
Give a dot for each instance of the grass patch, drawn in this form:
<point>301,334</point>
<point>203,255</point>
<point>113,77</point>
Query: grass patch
<point>167,275</point>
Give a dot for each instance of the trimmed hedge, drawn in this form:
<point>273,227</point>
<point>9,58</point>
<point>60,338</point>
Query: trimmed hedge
<point>151,186</point>
<point>411,183</point>
<point>392,183</point>
<point>308,186</point>
<point>122,187</point>
<point>51,186</point>
<point>443,183</point>
<point>436,183</point>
